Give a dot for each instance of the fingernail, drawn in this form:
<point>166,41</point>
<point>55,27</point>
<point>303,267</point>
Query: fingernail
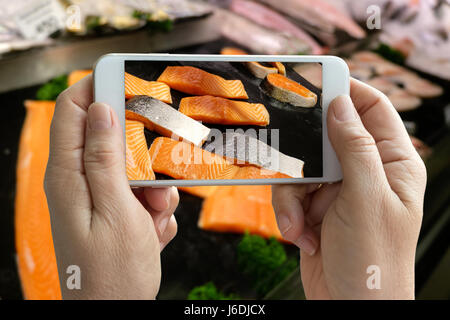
<point>163,224</point>
<point>284,223</point>
<point>306,244</point>
<point>99,116</point>
<point>343,109</point>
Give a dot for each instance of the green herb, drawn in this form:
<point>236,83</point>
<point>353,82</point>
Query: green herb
<point>93,22</point>
<point>390,53</point>
<point>208,291</point>
<point>153,25</point>
<point>265,261</point>
<point>52,89</point>
<point>163,25</point>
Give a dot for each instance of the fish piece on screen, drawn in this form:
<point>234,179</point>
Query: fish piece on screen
<point>135,86</point>
<point>139,165</point>
<point>218,110</point>
<point>160,117</point>
<point>181,160</point>
<point>196,81</point>
<point>287,90</point>
<point>241,149</point>
<point>271,19</point>
<point>258,69</point>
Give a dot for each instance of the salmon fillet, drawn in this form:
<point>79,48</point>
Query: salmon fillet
<point>135,86</point>
<point>290,91</point>
<point>76,76</point>
<point>36,259</point>
<point>196,81</point>
<point>199,191</point>
<point>211,109</point>
<point>139,166</point>
<point>240,209</point>
<point>167,121</point>
<point>232,51</point>
<point>182,160</point>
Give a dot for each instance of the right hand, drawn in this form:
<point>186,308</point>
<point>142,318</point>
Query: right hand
<point>372,218</point>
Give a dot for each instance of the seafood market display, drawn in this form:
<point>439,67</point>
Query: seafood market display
<point>404,88</point>
<point>222,120</point>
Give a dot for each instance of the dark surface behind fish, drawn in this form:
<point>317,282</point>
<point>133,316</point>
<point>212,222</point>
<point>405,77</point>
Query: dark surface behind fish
<point>300,128</point>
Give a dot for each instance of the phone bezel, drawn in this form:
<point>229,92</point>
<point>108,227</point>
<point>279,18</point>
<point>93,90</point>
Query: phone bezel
<point>109,88</point>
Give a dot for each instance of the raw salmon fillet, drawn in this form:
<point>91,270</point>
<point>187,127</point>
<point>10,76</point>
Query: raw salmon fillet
<point>211,109</point>
<point>77,75</point>
<point>196,81</point>
<point>258,69</point>
<point>253,172</point>
<point>33,236</point>
<point>199,191</point>
<point>139,166</point>
<point>167,121</point>
<point>232,51</point>
<point>182,160</point>
<point>240,209</point>
<point>135,86</point>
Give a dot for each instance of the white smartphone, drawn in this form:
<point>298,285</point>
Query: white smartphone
<point>191,120</point>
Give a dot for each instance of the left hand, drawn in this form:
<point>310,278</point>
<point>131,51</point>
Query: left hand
<point>112,234</point>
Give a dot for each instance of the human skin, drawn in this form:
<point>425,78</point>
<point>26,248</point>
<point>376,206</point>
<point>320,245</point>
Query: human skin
<point>112,233</point>
<point>371,218</point>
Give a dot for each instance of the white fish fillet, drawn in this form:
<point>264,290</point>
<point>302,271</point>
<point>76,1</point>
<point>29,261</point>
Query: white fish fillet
<point>319,14</point>
<point>273,20</point>
<point>258,38</point>
<point>247,149</point>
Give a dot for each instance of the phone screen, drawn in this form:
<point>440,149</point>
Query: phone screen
<point>214,120</point>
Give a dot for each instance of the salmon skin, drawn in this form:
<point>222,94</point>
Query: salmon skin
<point>196,81</point>
<point>181,160</point>
<point>135,86</point>
<point>184,161</point>
<point>287,90</point>
<point>256,68</point>
<point>211,109</point>
<point>162,118</point>
<point>241,149</point>
<point>240,209</point>
<point>139,165</point>
<point>36,259</point>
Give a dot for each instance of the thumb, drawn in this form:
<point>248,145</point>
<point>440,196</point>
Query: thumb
<point>354,146</point>
<point>104,161</point>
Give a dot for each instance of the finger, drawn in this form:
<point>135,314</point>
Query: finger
<point>169,233</point>
<point>402,164</point>
<point>287,203</point>
<point>320,202</point>
<point>68,127</point>
<point>104,160</point>
<point>382,121</point>
<point>354,146</point>
<point>161,204</point>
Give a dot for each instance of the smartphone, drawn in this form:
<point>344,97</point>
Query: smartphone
<point>191,120</point>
